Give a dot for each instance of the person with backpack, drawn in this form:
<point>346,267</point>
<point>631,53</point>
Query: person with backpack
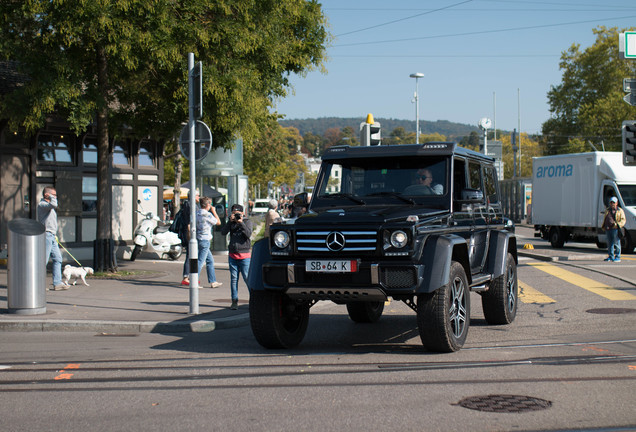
<point>181,226</point>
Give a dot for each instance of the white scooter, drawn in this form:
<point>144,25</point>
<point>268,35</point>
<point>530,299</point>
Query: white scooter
<point>154,234</point>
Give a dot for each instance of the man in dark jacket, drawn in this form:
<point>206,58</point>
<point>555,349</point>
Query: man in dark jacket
<point>184,235</point>
<point>240,248</point>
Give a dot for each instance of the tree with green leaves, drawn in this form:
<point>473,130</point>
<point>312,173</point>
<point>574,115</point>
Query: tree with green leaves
<point>271,159</point>
<point>587,106</point>
<point>397,136</point>
<point>528,148</point>
<point>471,141</point>
<point>313,144</point>
<point>121,65</point>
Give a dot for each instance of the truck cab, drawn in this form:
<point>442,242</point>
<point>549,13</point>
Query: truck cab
<point>418,223</point>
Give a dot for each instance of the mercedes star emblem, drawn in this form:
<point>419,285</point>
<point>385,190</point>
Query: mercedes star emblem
<point>335,241</point>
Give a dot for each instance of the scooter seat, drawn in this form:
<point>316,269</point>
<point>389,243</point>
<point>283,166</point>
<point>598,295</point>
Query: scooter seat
<point>161,229</point>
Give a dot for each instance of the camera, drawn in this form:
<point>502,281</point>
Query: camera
<point>237,216</point>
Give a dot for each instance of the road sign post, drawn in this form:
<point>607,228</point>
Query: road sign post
<point>193,247</point>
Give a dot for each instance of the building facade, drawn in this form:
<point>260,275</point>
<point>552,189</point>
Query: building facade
<point>55,156</point>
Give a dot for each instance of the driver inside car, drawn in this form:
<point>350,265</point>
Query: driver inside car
<point>424,184</point>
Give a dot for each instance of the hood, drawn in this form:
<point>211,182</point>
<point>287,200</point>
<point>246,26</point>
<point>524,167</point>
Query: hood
<point>366,214</point>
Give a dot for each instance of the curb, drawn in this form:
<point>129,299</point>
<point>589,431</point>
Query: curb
<point>540,257</point>
<point>188,326</point>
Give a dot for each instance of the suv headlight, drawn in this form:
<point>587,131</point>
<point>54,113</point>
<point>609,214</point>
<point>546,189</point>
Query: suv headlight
<point>281,239</point>
<point>396,242</point>
<point>399,239</point>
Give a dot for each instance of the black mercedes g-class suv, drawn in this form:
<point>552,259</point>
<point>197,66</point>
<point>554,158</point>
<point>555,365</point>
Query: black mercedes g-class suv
<point>418,223</point>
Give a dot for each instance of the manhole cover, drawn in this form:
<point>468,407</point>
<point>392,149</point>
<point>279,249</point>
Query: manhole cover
<point>504,403</point>
<point>611,311</point>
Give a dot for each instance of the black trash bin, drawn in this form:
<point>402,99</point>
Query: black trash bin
<point>26,284</point>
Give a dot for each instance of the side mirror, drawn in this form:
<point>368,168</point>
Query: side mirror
<point>301,200</point>
<point>472,196</point>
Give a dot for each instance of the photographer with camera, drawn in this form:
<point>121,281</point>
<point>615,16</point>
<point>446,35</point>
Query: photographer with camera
<point>240,229</point>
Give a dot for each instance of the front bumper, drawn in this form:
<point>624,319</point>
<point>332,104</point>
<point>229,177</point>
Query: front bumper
<point>371,281</point>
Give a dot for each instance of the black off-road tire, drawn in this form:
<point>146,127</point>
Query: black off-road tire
<point>443,317</point>
<point>135,253</point>
<point>365,312</point>
<point>501,300</point>
<point>276,320</point>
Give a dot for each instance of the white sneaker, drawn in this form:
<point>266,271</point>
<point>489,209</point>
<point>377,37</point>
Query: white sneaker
<point>216,284</point>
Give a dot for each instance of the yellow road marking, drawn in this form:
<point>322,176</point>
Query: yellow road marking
<point>586,283</point>
<point>527,294</point>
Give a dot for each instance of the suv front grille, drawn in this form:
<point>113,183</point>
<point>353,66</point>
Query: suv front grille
<point>354,241</point>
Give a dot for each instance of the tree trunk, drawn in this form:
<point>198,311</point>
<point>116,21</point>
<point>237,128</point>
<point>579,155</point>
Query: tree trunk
<point>178,169</point>
<point>104,258</point>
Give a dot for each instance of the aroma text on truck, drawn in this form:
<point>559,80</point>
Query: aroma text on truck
<point>417,223</point>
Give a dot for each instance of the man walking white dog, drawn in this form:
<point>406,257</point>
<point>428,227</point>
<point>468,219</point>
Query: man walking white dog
<point>47,216</point>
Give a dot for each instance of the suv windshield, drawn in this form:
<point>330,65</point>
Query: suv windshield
<point>383,181</point>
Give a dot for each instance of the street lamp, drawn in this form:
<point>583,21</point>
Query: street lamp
<point>417,76</point>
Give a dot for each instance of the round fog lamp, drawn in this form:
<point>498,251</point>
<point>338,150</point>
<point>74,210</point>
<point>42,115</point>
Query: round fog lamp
<point>399,239</point>
<point>281,239</point>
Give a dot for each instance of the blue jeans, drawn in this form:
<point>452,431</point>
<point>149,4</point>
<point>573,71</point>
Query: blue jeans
<point>206,256</point>
<point>613,244</point>
<point>53,252</point>
<point>236,265</point>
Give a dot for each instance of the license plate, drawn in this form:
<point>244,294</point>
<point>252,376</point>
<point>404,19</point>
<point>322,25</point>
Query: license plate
<point>331,266</point>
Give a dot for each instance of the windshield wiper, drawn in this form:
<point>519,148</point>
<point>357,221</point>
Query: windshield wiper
<point>345,195</point>
<point>393,194</point>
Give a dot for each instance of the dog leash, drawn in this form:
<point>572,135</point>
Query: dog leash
<point>58,242</point>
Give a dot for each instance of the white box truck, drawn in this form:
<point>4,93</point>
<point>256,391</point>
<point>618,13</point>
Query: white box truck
<point>571,192</point>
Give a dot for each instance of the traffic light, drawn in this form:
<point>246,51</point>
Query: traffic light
<point>629,142</point>
<point>370,132</point>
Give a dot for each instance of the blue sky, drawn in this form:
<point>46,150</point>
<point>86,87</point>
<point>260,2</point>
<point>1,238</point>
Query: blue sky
<point>480,58</point>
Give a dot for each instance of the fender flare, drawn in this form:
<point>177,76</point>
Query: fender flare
<point>437,255</point>
<point>501,242</point>
<point>260,255</point>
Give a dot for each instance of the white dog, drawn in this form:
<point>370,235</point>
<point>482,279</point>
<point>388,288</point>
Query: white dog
<point>77,273</point>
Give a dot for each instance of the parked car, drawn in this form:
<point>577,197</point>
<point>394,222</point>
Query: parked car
<point>260,206</point>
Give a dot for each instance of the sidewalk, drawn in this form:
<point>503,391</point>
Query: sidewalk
<point>154,302</point>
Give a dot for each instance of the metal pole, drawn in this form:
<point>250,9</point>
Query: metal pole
<point>494,119</point>
<point>485,141</point>
<point>513,142</point>
<point>417,76</point>
<point>194,250</point>
<point>519,129</point>
<point>417,113</point>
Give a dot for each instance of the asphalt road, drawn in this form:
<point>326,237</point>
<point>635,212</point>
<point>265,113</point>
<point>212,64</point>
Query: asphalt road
<point>568,362</point>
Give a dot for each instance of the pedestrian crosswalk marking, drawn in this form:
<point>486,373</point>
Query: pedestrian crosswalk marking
<point>527,294</point>
<point>586,283</point>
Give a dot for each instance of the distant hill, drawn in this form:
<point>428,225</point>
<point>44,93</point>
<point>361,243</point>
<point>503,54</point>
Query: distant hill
<point>318,126</point>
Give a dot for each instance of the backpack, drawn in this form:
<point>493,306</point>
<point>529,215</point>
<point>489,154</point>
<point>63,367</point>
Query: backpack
<point>175,226</point>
